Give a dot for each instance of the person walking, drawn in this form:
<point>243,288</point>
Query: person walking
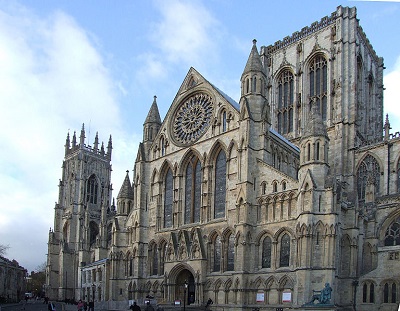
<point>149,307</point>
<point>135,307</point>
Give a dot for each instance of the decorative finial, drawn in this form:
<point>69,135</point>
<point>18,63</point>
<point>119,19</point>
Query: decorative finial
<point>254,41</point>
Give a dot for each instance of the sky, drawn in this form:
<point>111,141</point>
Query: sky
<point>98,62</point>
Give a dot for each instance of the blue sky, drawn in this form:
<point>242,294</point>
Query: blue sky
<point>64,63</point>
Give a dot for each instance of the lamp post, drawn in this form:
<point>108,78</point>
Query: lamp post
<point>184,295</point>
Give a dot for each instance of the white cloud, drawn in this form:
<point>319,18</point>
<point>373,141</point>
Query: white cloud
<point>52,79</point>
<point>391,81</point>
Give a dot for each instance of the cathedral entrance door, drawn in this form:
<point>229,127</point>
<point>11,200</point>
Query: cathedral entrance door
<point>185,287</point>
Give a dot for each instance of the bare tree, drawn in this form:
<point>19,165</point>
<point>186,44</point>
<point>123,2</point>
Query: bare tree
<point>41,267</point>
<point>3,249</point>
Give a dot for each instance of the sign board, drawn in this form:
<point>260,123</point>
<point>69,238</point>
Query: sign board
<point>260,297</point>
<point>287,297</point>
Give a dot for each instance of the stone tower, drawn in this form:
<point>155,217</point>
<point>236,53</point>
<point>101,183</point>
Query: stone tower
<point>79,233</point>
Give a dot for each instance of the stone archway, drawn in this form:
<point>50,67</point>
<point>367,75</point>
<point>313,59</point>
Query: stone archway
<point>180,293</point>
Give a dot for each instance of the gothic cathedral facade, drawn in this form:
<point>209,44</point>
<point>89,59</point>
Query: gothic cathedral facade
<point>260,203</point>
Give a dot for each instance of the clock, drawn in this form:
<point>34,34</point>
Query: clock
<point>192,119</point>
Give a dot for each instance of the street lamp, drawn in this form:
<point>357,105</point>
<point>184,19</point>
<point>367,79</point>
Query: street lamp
<point>184,295</point>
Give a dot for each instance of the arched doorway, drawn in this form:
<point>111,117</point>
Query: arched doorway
<point>181,293</point>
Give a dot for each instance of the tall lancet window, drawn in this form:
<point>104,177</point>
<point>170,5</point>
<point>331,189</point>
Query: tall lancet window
<point>168,199</point>
<point>192,191</point>
<point>220,185</point>
<point>285,251</point>
<point>217,254</point>
<point>91,190</point>
<point>266,253</point>
<point>285,102</point>
<point>318,76</point>
<point>231,253</point>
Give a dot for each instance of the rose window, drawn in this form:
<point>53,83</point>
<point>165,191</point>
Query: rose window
<point>192,119</point>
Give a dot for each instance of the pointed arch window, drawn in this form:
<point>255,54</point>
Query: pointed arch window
<point>285,251</point>
<point>266,252</point>
<point>285,102</point>
<point>390,292</point>
<point>220,185</point>
<point>130,266</point>
<point>109,235</point>
<point>318,76</point>
<point>368,172</point>
<point>223,121</point>
<point>217,254</point>
<point>192,191</point>
<point>168,199</point>
<point>231,253</point>
<point>392,235</point>
<point>93,232</point>
<point>155,260</point>
<point>91,190</point>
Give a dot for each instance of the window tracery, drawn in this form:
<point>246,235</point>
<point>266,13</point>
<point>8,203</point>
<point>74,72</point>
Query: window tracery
<point>231,253</point>
<point>318,76</point>
<point>368,173</point>
<point>266,252</point>
<point>217,254</point>
<point>285,102</point>
<point>392,235</point>
<point>192,191</point>
<point>285,251</point>
<point>91,190</point>
<point>168,199</point>
<point>220,185</point>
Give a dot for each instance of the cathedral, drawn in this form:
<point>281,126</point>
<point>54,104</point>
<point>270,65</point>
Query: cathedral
<point>286,199</point>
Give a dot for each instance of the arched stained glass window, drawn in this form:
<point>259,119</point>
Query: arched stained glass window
<point>285,102</point>
<point>130,266</point>
<point>368,171</point>
<point>192,191</point>
<point>94,231</point>
<point>220,185</point>
<point>285,251</point>
<point>231,253</point>
<point>392,235</point>
<point>372,293</point>
<point>217,254</point>
<point>168,199</point>
<point>318,76</point>
<point>266,252</point>
<point>155,260</point>
<point>224,121</point>
<point>91,190</point>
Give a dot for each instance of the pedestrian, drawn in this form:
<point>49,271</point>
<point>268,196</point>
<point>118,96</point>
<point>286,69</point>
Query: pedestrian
<point>149,307</point>
<point>51,306</point>
<point>209,302</point>
<point>85,306</point>
<point>80,305</point>
<point>135,307</point>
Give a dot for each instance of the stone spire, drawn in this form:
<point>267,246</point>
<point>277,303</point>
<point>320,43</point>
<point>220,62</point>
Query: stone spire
<point>254,61</point>
<point>153,116</point>
<point>109,147</point>
<point>82,137</point>
<point>96,142</point>
<point>152,123</point>
<point>67,144</point>
<point>387,127</point>
<point>126,191</point>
